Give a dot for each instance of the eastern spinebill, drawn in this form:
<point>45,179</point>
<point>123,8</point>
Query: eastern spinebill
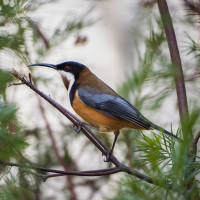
<point>98,104</point>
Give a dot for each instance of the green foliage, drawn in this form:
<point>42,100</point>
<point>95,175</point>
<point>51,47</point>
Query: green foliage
<point>154,73</point>
<point>5,78</point>
<point>11,142</point>
<point>10,9</point>
<point>193,47</point>
<point>12,191</point>
<point>158,156</point>
<point>167,162</point>
<point>155,152</point>
<point>13,41</point>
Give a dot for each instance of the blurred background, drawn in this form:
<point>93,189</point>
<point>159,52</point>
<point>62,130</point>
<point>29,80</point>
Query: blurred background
<point>124,44</point>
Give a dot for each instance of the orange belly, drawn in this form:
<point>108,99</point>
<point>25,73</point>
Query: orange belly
<point>98,119</point>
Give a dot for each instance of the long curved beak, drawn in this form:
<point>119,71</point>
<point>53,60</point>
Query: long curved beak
<point>44,65</point>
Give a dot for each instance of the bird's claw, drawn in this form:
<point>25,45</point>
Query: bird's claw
<point>77,127</point>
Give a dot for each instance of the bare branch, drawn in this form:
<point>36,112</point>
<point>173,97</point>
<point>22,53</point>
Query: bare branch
<point>39,33</point>
<point>179,80</point>
<point>176,61</point>
<point>196,139</point>
<point>11,84</point>
<point>100,172</point>
<point>193,145</point>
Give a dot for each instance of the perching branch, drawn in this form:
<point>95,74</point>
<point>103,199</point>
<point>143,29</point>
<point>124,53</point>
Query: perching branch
<point>119,167</point>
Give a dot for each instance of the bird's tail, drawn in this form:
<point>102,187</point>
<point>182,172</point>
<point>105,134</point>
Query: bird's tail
<point>164,131</point>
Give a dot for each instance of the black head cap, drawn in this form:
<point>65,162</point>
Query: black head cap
<point>70,66</point>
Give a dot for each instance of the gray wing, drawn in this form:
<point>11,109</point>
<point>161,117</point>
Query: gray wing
<point>115,107</point>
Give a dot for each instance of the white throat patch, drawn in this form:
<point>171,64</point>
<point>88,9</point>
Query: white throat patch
<point>70,77</point>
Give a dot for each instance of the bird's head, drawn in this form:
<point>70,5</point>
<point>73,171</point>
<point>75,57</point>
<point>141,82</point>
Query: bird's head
<point>69,71</point>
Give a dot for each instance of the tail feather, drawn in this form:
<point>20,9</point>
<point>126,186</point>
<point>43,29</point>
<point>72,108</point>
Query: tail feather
<point>164,131</point>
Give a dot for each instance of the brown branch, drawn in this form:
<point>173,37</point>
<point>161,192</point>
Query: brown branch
<point>39,33</point>
<point>180,84</point>
<point>119,167</point>
<point>176,61</point>
<point>196,139</point>
<point>193,76</point>
<point>101,172</point>
<point>55,172</point>
<point>193,145</point>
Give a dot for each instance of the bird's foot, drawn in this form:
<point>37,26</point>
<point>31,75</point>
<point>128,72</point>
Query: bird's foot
<point>77,127</point>
<point>107,159</point>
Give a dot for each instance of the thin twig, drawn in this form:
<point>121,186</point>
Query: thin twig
<point>193,145</point>
<point>193,76</point>
<point>40,34</point>
<point>100,172</point>
<point>11,84</point>
<point>196,139</point>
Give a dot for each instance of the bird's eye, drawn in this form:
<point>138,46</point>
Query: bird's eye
<point>67,68</point>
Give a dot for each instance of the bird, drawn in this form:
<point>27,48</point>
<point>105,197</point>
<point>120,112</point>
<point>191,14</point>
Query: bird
<point>98,104</point>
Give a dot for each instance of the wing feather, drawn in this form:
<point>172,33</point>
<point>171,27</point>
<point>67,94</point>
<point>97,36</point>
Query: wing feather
<point>112,106</point>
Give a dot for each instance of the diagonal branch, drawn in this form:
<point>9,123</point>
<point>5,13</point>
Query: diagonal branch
<point>193,145</point>
<point>119,167</point>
